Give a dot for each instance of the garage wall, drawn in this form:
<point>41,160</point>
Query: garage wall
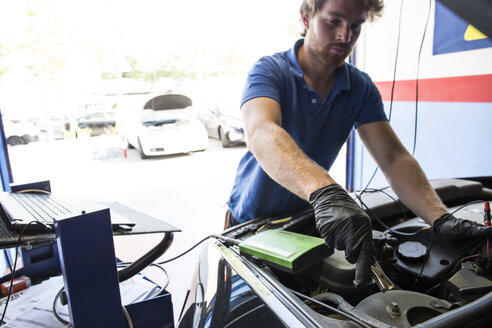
<point>454,74</point>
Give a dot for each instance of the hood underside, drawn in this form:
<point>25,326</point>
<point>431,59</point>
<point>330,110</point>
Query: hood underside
<point>168,101</point>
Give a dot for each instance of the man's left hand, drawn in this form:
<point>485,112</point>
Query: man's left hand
<point>465,235</point>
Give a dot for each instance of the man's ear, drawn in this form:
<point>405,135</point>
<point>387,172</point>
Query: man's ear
<point>305,19</point>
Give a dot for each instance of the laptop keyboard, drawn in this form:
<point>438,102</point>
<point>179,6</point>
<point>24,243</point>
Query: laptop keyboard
<point>43,207</point>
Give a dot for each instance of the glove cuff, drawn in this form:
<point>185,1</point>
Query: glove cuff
<point>329,188</point>
<point>443,218</point>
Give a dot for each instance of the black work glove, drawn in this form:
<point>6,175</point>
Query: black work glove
<point>464,235</point>
<point>345,226</point>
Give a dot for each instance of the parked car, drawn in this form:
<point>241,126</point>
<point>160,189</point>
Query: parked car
<point>96,124</point>
<point>54,126</point>
<point>278,272</point>
<point>164,125</point>
<point>18,132</point>
<point>223,121</point>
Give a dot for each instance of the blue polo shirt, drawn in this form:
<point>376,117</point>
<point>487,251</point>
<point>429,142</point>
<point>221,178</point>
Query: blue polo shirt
<point>320,127</point>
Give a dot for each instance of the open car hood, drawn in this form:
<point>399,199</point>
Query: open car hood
<point>168,101</point>
<point>434,284</point>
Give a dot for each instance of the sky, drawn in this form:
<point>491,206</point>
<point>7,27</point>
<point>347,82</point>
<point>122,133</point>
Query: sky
<point>76,34</point>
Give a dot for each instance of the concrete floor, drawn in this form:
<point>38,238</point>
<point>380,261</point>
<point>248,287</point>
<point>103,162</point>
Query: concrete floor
<point>187,191</point>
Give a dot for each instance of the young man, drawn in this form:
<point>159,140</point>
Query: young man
<point>299,107</point>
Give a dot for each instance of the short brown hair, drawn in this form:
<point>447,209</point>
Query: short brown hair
<point>373,8</point>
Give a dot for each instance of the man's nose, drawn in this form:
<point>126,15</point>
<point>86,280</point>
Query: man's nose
<point>344,34</point>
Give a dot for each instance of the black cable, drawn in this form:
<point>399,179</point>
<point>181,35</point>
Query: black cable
<point>381,190</point>
<point>7,259</point>
<point>372,215</point>
<point>127,317</point>
<point>124,264</point>
<point>187,251</point>
<point>147,258</point>
<point>167,281</point>
<point>432,236</point>
<point>129,264</point>
<point>402,274</point>
<point>447,275</point>
<point>416,87</point>
<point>334,309</point>
<point>477,201</point>
<point>68,324</point>
<point>161,287</point>
<point>417,81</point>
<point>426,256</point>
<point>463,259</point>
<point>370,180</point>
<point>396,61</point>
<point>12,273</point>
<point>430,290</point>
<point>412,233</point>
<point>224,239</point>
<point>55,312</point>
<point>392,87</point>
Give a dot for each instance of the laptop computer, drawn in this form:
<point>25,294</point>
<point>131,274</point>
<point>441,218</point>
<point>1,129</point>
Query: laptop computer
<point>19,209</point>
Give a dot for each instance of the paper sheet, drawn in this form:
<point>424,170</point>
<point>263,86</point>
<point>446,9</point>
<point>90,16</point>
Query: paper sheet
<point>33,307</point>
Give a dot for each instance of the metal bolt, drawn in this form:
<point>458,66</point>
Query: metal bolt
<point>393,309</point>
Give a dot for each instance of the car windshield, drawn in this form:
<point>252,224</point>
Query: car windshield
<point>159,117</point>
<point>99,116</point>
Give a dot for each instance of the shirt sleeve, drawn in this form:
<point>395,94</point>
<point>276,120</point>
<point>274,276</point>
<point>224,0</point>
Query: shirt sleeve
<point>262,81</point>
<point>372,108</point>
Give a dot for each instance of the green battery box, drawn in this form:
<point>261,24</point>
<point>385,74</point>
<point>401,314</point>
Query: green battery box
<point>284,250</point>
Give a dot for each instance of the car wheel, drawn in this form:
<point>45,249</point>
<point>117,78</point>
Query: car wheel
<point>15,140</point>
<point>223,138</point>
<point>140,151</point>
<point>129,145</point>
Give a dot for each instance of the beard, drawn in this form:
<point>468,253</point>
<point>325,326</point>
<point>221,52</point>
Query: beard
<point>327,57</point>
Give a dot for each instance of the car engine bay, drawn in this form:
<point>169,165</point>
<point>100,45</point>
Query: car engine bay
<point>431,279</point>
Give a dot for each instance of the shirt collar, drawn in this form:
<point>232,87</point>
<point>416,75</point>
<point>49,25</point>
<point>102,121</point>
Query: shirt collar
<point>343,79</point>
<point>294,63</point>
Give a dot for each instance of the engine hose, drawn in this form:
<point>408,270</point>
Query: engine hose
<point>462,316</point>
<point>344,306</point>
<point>147,258</point>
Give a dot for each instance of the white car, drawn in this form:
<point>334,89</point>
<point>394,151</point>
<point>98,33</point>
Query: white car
<point>223,121</point>
<point>166,125</point>
<point>19,132</point>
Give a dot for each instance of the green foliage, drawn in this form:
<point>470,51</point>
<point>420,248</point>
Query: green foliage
<point>4,51</point>
<point>170,69</point>
<point>107,75</point>
<point>53,46</point>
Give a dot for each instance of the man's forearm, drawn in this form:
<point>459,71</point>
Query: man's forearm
<point>412,187</point>
<point>285,162</point>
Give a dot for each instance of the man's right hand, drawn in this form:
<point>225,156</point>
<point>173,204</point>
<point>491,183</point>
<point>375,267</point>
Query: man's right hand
<point>345,226</point>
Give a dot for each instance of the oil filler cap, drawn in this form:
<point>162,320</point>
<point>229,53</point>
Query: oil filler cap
<point>412,251</point>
